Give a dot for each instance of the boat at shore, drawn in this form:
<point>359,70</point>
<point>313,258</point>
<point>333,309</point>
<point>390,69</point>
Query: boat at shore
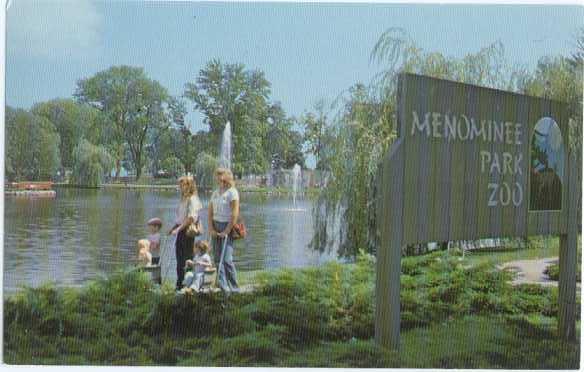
<point>44,189</point>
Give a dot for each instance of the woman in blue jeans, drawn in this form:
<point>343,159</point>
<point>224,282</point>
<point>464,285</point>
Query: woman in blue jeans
<point>223,214</point>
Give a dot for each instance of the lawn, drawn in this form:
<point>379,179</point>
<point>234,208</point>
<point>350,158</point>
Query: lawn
<point>453,316</point>
<point>536,248</point>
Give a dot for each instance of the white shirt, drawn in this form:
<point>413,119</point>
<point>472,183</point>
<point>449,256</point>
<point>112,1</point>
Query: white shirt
<point>154,238</point>
<point>191,205</point>
<point>222,204</point>
<point>203,258</point>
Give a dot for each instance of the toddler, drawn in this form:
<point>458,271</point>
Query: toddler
<point>195,268</point>
<point>144,255</point>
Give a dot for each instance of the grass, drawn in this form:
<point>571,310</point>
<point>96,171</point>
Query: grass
<point>536,248</point>
<point>453,316</point>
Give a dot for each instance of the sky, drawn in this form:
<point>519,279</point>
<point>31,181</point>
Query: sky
<point>307,51</point>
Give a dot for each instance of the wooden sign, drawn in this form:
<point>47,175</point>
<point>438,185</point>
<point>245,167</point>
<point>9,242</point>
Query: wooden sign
<point>471,163</point>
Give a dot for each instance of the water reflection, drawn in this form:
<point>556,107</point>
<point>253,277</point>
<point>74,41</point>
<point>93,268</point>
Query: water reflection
<point>84,234</point>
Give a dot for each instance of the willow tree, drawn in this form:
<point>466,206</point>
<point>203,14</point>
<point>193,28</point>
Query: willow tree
<point>92,163</point>
<point>351,148</point>
<point>364,127</point>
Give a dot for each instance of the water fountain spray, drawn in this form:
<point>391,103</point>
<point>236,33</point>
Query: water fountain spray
<point>225,155</point>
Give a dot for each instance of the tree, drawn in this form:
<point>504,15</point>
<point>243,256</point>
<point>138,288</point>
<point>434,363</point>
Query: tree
<point>364,127</point>
<point>32,146</point>
<point>205,170</point>
<point>356,142</point>
<point>172,165</point>
<point>92,163</point>
<point>314,124</point>
<point>71,120</point>
<point>282,145</point>
<point>229,92</point>
<point>133,103</point>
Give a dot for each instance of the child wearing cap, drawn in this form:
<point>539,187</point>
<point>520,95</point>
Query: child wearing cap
<point>154,226</point>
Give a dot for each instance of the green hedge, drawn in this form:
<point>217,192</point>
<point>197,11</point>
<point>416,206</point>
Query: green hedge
<point>323,316</point>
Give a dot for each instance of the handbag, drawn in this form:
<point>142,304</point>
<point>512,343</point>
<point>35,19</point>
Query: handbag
<point>195,228</point>
<point>238,231</point>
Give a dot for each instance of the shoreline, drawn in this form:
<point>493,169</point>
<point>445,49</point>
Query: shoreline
<point>135,186</point>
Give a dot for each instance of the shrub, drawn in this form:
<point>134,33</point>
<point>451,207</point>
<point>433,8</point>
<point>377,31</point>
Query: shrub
<point>352,354</point>
<point>553,271</point>
<point>324,315</point>
<point>254,348</point>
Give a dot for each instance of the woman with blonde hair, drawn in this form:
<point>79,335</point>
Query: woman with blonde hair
<point>223,215</point>
<point>187,212</point>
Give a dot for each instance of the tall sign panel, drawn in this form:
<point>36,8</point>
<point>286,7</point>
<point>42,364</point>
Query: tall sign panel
<point>472,163</point>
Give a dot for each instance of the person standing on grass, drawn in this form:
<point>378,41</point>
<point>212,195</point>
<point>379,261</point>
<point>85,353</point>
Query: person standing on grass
<point>223,215</point>
<point>187,212</point>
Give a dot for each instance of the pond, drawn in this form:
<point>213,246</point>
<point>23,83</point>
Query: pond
<point>83,234</point>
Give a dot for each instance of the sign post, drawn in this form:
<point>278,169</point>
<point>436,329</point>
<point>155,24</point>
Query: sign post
<point>473,163</point>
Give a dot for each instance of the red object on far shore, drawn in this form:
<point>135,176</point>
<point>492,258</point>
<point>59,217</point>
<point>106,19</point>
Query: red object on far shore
<point>48,185</point>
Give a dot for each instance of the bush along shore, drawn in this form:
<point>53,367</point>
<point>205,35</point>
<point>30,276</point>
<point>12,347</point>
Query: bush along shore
<point>453,316</point>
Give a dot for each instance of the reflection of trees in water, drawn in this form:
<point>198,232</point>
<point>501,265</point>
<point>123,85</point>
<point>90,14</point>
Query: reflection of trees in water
<point>248,251</point>
<point>84,234</point>
<point>116,216</point>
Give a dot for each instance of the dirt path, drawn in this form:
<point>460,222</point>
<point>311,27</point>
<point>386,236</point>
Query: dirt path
<point>531,271</point>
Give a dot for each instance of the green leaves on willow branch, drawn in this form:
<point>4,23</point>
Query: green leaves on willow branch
<point>92,163</point>
<point>364,125</point>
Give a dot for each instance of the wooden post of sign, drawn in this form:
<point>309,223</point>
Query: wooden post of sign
<point>568,260</point>
<point>387,284</point>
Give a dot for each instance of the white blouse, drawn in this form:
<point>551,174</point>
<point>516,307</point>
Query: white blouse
<point>188,208</point>
<point>221,203</point>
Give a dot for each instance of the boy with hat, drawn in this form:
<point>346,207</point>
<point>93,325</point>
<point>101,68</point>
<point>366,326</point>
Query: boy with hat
<point>154,226</point>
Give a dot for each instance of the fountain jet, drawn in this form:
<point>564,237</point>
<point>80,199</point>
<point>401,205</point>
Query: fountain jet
<point>296,182</point>
<point>225,154</point>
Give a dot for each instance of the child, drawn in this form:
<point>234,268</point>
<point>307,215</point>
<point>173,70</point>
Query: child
<point>154,226</point>
<point>195,268</point>
<point>144,255</point>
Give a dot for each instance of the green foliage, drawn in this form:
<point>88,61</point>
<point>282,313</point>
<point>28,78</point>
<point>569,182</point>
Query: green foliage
<point>352,354</point>
<point>205,169</point>
<point>282,144</point>
<point>353,147</point>
<point>134,105</point>
<point>489,342</point>
<point>92,163</point>
<point>315,124</point>
<point>172,165</point>
<point>32,146</point>
<point>229,92</point>
<point>262,133</point>
<point>553,271</point>
<point>72,121</point>
<point>363,128</point>
<point>314,317</point>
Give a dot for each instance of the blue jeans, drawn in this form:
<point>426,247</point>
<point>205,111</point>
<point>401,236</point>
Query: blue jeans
<point>194,280</point>
<point>227,277</point>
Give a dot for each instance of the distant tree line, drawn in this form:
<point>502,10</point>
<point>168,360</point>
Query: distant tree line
<point>121,118</point>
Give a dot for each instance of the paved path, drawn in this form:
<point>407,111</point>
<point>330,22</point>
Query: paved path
<point>531,271</point>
